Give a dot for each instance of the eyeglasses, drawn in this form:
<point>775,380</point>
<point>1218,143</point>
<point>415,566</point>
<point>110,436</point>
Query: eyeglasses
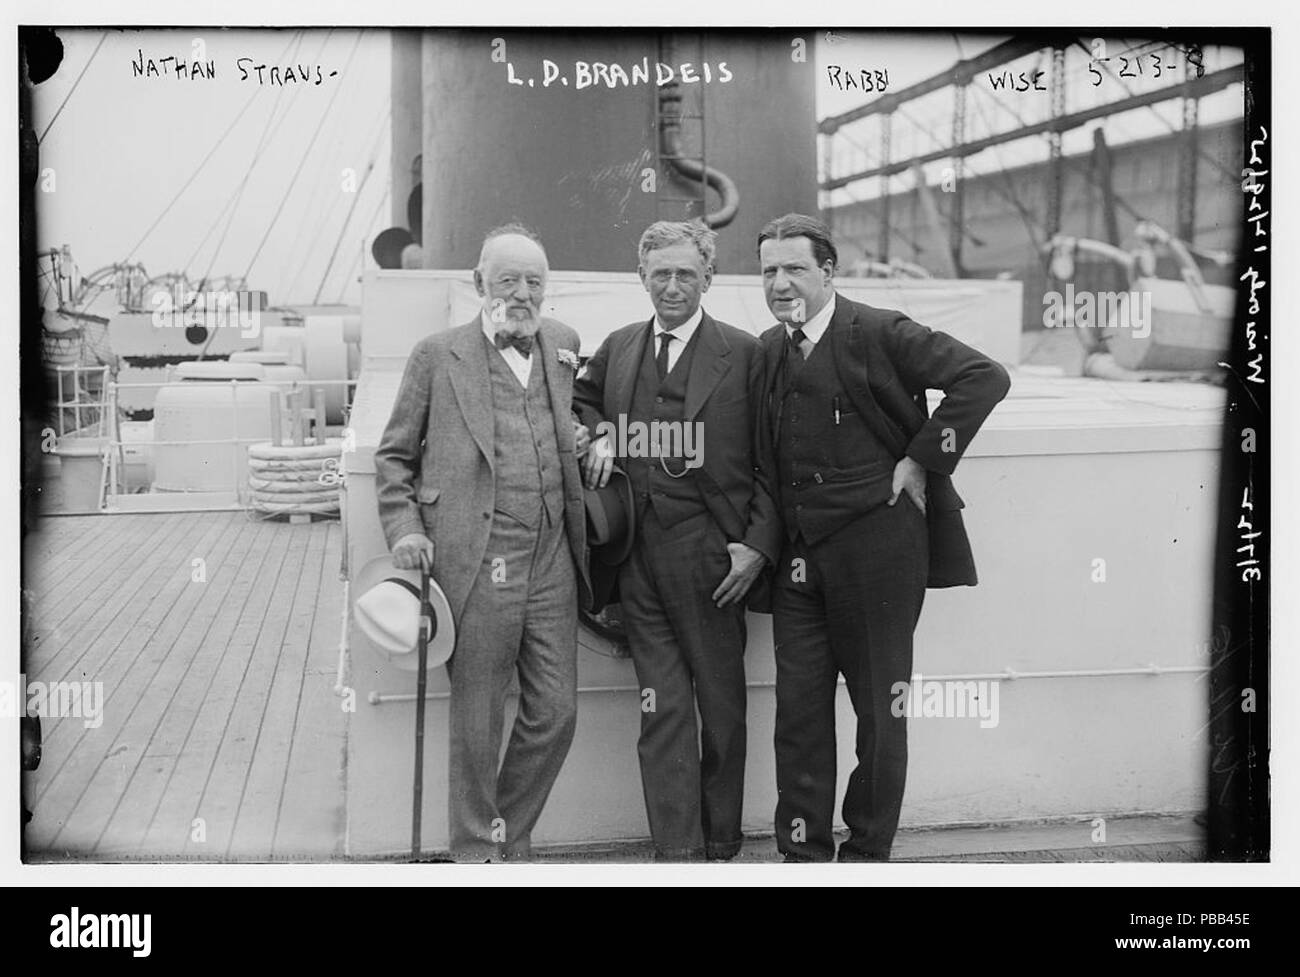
<point>682,277</point>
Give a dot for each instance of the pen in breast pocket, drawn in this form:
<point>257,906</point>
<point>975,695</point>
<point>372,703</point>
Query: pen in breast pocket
<point>835,405</point>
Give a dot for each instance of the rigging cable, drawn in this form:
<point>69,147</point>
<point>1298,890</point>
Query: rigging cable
<point>318,230</point>
<point>202,163</point>
<point>233,203</point>
<point>86,67</point>
<point>302,162</point>
<point>338,154</point>
<point>361,252</point>
<point>232,200</point>
<point>348,219</point>
<point>262,144</point>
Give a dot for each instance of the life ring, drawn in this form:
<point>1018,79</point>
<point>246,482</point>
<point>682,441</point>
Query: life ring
<point>323,508</point>
<point>287,486</point>
<point>265,451</point>
<point>313,465</point>
<point>272,473</point>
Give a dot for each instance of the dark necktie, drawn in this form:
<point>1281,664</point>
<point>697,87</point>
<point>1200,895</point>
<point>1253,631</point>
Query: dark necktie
<point>796,342</point>
<point>661,361</point>
<point>522,343</point>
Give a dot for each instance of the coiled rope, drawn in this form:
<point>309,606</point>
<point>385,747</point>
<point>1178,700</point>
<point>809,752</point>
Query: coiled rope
<point>291,478</point>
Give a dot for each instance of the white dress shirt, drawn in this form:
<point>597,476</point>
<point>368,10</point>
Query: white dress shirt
<point>813,328</point>
<point>519,364</point>
<point>681,336</point>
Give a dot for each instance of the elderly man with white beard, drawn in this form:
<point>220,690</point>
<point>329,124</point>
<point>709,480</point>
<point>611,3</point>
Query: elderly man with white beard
<point>477,479</point>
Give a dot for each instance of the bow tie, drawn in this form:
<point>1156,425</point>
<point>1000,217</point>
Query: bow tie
<point>524,344</point>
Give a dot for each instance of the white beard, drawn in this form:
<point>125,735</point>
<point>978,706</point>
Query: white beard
<point>512,326</point>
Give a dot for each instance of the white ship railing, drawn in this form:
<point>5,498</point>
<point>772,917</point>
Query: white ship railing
<point>112,484</point>
<point>1006,675</point>
<point>78,403</point>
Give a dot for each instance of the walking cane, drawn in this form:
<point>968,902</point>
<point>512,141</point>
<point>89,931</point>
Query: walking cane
<point>422,651</point>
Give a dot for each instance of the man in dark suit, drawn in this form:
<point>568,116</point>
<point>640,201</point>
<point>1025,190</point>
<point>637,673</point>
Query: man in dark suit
<point>477,478</point>
<point>871,519</point>
<point>669,400</point>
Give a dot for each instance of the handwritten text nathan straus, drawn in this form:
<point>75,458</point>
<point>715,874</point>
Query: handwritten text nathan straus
<point>250,69</point>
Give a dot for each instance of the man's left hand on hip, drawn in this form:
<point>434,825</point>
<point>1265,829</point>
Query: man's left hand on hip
<point>909,477</point>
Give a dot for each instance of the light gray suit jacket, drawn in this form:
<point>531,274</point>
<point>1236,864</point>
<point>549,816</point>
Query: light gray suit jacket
<point>434,464</point>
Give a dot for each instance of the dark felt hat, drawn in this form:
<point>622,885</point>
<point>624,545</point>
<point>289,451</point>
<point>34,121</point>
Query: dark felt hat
<point>611,530</point>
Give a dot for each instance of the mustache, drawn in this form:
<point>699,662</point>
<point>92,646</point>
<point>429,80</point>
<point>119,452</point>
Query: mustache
<point>517,325</point>
<point>499,311</point>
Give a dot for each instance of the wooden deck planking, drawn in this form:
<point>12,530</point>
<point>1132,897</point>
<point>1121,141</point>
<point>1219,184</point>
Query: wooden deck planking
<point>78,559</point>
<point>212,705</point>
<point>224,792</point>
<point>323,652</point>
<point>308,824</point>
<point>169,830</point>
<point>253,832</point>
<point>102,648</point>
<point>82,621</point>
<point>45,549</point>
<point>155,728</point>
<point>311,822</point>
<point>50,526</point>
<point>147,687</point>
<point>101,644</point>
<point>171,748</point>
<point>158,615</point>
<point>69,600</point>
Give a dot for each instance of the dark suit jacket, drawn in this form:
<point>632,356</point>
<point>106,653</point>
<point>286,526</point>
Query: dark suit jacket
<point>886,362</point>
<point>727,366</point>
<point>434,464</point>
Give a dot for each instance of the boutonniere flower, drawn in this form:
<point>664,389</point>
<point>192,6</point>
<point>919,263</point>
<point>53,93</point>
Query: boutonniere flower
<point>568,357</point>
